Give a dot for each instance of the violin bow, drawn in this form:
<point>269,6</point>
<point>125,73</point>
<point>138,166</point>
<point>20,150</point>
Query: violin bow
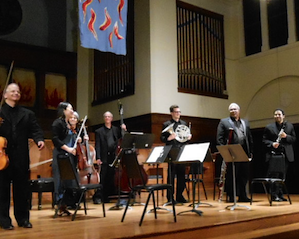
<point>78,136</point>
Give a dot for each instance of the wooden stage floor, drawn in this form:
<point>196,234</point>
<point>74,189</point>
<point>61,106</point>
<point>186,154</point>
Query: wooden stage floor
<point>261,221</point>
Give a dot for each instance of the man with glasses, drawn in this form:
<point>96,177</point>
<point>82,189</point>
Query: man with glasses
<point>240,134</point>
<point>170,139</point>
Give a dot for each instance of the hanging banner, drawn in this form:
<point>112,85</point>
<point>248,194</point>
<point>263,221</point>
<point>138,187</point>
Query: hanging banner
<point>103,25</point>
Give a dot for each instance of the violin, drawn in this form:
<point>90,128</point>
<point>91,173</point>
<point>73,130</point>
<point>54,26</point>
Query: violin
<point>4,160</point>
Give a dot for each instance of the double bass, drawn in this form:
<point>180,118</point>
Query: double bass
<point>121,177</point>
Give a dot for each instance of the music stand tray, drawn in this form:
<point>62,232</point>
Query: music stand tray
<point>191,153</point>
<point>232,153</point>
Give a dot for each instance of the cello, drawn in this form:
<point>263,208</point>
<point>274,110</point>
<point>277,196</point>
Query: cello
<point>86,156</point>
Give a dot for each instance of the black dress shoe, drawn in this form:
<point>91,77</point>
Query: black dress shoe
<point>181,200</point>
<point>276,199</point>
<point>97,201</point>
<point>8,227</point>
<point>25,224</point>
<point>246,199</point>
<point>283,199</point>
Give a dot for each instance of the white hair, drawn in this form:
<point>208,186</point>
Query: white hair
<point>234,105</point>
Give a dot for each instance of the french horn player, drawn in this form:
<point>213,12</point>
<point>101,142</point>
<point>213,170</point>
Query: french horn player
<point>175,132</point>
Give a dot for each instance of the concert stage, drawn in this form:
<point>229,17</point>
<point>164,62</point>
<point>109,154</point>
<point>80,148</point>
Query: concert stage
<point>261,221</point>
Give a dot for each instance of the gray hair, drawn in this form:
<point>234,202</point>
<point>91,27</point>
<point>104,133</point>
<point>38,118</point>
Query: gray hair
<point>107,112</point>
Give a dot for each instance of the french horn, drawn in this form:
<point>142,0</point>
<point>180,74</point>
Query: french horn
<point>182,132</point>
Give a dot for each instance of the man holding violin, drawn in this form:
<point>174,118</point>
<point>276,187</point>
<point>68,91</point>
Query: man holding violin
<point>17,126</point>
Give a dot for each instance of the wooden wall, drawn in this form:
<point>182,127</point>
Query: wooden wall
<point>42,61</point>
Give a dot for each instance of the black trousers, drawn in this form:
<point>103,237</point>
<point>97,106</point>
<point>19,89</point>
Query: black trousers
<point>178,171</point>
<point>19,180</point>
<point>242,175</point>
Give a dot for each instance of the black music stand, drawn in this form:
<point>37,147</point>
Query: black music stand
<point>193,153</point>
<point>232,153</point>
<point>208,158</point>
<point>172,157</point>
<point>157,156</point>
<point>130,142</point>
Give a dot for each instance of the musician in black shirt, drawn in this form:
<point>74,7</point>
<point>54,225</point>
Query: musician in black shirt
<point>170,138</point>
<point>279,137</point>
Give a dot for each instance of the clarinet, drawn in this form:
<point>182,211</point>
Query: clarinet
<point>280,132</point>
<point>221,183</point>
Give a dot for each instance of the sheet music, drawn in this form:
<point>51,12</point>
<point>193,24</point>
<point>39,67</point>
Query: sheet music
<point>156,153</point>
<point>194,152</point>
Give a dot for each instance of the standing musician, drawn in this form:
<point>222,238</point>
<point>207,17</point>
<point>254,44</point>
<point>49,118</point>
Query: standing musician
<point>241,135</point>
<point>170,139</point>
<point>279,137</point>
<point>63,138</point>
<point>18,125</point>
<point>107,138</point>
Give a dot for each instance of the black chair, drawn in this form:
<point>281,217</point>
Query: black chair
<point>67,174</point>
<point>132,168</point>
<point>276,176</point>
<point>39,186</point>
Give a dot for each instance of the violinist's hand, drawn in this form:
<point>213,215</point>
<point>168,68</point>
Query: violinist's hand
<point>86,137</point>
<point>79,140</point>
<point>99,162</point>
<point>72,151</point>
<point>124,127</point>
<point>171,137</point>
<point>40,145</point>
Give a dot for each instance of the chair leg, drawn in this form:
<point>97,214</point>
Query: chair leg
<point>251,191</point>
<point>154,203</point>
<point>128,203</point>
<point>39,200</point>
<point>78,204</point>
<point>144,210</point>
<point>103,203</point>
<point>173,207</point>
<point>204,189</point>
<point>286,190</point>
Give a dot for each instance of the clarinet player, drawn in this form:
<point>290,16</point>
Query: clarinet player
<point>279,137</point>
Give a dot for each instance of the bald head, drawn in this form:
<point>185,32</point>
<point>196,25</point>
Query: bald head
<point>12,94</point>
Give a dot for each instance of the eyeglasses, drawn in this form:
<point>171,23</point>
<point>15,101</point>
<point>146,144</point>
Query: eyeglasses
<point>176,111</point>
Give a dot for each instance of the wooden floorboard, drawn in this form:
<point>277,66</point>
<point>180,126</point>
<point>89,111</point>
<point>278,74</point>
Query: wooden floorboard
<point>261,221</point>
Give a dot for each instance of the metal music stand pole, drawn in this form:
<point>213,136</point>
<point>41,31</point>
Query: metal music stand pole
<point>115,163</point>
<point>194,153</point>
<point>233,153</point>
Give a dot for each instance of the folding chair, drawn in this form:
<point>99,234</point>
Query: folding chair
<point>68,173</point>
<point>276,176</point>
<point>132,168</point>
